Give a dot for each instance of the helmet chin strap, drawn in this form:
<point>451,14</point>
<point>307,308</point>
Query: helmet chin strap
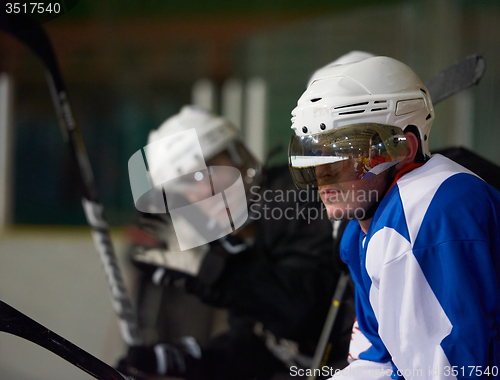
<point>379,169</point>
<point>390,175</point>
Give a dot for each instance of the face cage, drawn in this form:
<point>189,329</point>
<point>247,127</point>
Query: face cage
<point>246,162</point>
<point>348,153</point>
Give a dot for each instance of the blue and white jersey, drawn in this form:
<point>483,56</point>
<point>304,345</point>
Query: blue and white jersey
<point>427,274</point>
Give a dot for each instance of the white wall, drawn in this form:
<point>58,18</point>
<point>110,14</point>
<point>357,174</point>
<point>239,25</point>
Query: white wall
<point>54,276</point>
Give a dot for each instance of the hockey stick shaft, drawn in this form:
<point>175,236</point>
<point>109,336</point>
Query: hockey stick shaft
<point>37,40</point>
<point>321,355</point>
<point>16,323</point>
<point>456,78</point>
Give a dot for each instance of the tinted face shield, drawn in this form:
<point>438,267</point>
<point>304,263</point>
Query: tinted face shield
<point>349,153</point>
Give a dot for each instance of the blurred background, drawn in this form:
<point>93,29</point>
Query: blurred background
<point>129,65</point>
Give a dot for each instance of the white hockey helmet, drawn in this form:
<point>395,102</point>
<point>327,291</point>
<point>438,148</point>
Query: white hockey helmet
<point>214,133</point>
<point>351,57</point>
<point>190,139</point>
<point>347,106</point>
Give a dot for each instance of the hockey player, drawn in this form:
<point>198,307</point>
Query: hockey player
<point>275,274</point>
<point>424,245</point>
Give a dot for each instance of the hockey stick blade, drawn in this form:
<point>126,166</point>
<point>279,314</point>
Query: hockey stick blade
<point>35,38</point>
<point>14,322</point>
<point>456,78</point>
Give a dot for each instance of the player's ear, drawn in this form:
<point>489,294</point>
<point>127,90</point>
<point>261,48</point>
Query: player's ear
<point>411,150</point>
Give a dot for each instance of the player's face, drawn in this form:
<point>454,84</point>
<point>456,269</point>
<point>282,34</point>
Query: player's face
<point>356,199</point>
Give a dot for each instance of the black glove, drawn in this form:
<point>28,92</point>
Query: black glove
<point>163,276</point>
<point>214,263</point>
<point>180,358</point>
<point>232,244</point>
<point>157,225</point>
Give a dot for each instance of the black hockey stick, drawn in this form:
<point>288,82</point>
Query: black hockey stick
<point>35,38</point>
<point>322,353</point>
<point>456,78</point>
<point>16,323</point>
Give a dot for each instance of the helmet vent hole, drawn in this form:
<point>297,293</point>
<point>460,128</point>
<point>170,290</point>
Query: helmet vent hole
<point>322,126</point>
<point>304,129</point>
<point>379,101</point>
<point>428,117</point>
<point>352,105</point>
<point>423,91</point>
<point>351,112</point>
<point>378,109</point>
<point>425,137</point>
<point>315,99</point>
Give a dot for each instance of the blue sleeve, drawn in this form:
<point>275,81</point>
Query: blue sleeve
<point>458,251</point>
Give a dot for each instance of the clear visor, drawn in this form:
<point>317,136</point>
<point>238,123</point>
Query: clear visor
<point>349,153</point>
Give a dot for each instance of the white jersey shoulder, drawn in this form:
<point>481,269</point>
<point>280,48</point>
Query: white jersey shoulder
<point>390,264</point>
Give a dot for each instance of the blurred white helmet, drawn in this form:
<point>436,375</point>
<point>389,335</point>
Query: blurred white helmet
<point>214,135</point>
<point>380,93</point>
<point>184,142</point>
<point>197,162</point>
